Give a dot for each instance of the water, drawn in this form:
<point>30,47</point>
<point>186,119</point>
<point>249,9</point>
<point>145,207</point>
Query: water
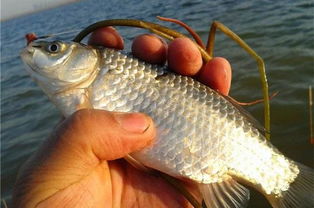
<point>281,32</point>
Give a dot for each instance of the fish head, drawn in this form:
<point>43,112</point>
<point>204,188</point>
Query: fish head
<point>57,65</point>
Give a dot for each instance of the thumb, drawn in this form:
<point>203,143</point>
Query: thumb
<point>109,135</point>
<point>77,147</point>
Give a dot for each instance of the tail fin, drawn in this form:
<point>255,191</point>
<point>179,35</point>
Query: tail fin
<point>300,193</point>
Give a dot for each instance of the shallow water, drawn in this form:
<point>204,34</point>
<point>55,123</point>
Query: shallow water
<point>281,32</point>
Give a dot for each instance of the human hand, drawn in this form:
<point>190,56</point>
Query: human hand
<point>80,166</point>
<point>181,55</point>
<point>67,171</point>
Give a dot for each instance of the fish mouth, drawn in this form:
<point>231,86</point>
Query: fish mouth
<point>27,55</point>
<point>29,50</point>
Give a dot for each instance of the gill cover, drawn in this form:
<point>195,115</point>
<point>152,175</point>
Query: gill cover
<point>57,64</point>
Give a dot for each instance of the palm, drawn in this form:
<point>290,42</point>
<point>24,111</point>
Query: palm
<point>139,189</point>
<point>117,184</point>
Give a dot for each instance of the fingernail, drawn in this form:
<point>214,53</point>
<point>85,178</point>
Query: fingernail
<point>133,122</point>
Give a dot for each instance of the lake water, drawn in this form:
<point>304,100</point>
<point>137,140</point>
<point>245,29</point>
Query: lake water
<point>281,32</point>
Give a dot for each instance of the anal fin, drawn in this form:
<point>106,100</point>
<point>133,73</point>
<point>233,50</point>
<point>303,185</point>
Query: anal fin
<point>226,194</point>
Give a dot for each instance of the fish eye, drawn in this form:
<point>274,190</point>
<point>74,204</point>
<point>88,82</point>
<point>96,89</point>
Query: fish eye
<point>53,48</point>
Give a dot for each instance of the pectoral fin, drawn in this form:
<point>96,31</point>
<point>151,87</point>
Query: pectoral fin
<point>226,194</point>
<point>136,164</point>
<point>84,103</point>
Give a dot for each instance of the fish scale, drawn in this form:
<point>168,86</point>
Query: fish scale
<point>203,106</point>
<point>201,135</point>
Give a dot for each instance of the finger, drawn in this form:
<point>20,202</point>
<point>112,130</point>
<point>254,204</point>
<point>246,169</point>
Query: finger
<point>150,48</point>
<point>184,57</point>
<point>108,135</point>
<point>217,74</point>
<point>108,37</point>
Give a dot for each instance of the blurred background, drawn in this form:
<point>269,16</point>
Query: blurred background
<point>15,8</point>
<point>281,32</point>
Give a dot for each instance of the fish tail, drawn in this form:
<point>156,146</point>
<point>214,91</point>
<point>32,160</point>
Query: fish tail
<point>300,193</point>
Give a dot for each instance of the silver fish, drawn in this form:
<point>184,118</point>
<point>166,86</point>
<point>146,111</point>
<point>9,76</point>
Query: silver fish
<point>201,135</point>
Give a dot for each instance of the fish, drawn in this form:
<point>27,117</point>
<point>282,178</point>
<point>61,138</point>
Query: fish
<point>201,135</point>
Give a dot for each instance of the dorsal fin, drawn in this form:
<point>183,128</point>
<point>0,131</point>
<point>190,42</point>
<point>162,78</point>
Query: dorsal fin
<point>247,115</point>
